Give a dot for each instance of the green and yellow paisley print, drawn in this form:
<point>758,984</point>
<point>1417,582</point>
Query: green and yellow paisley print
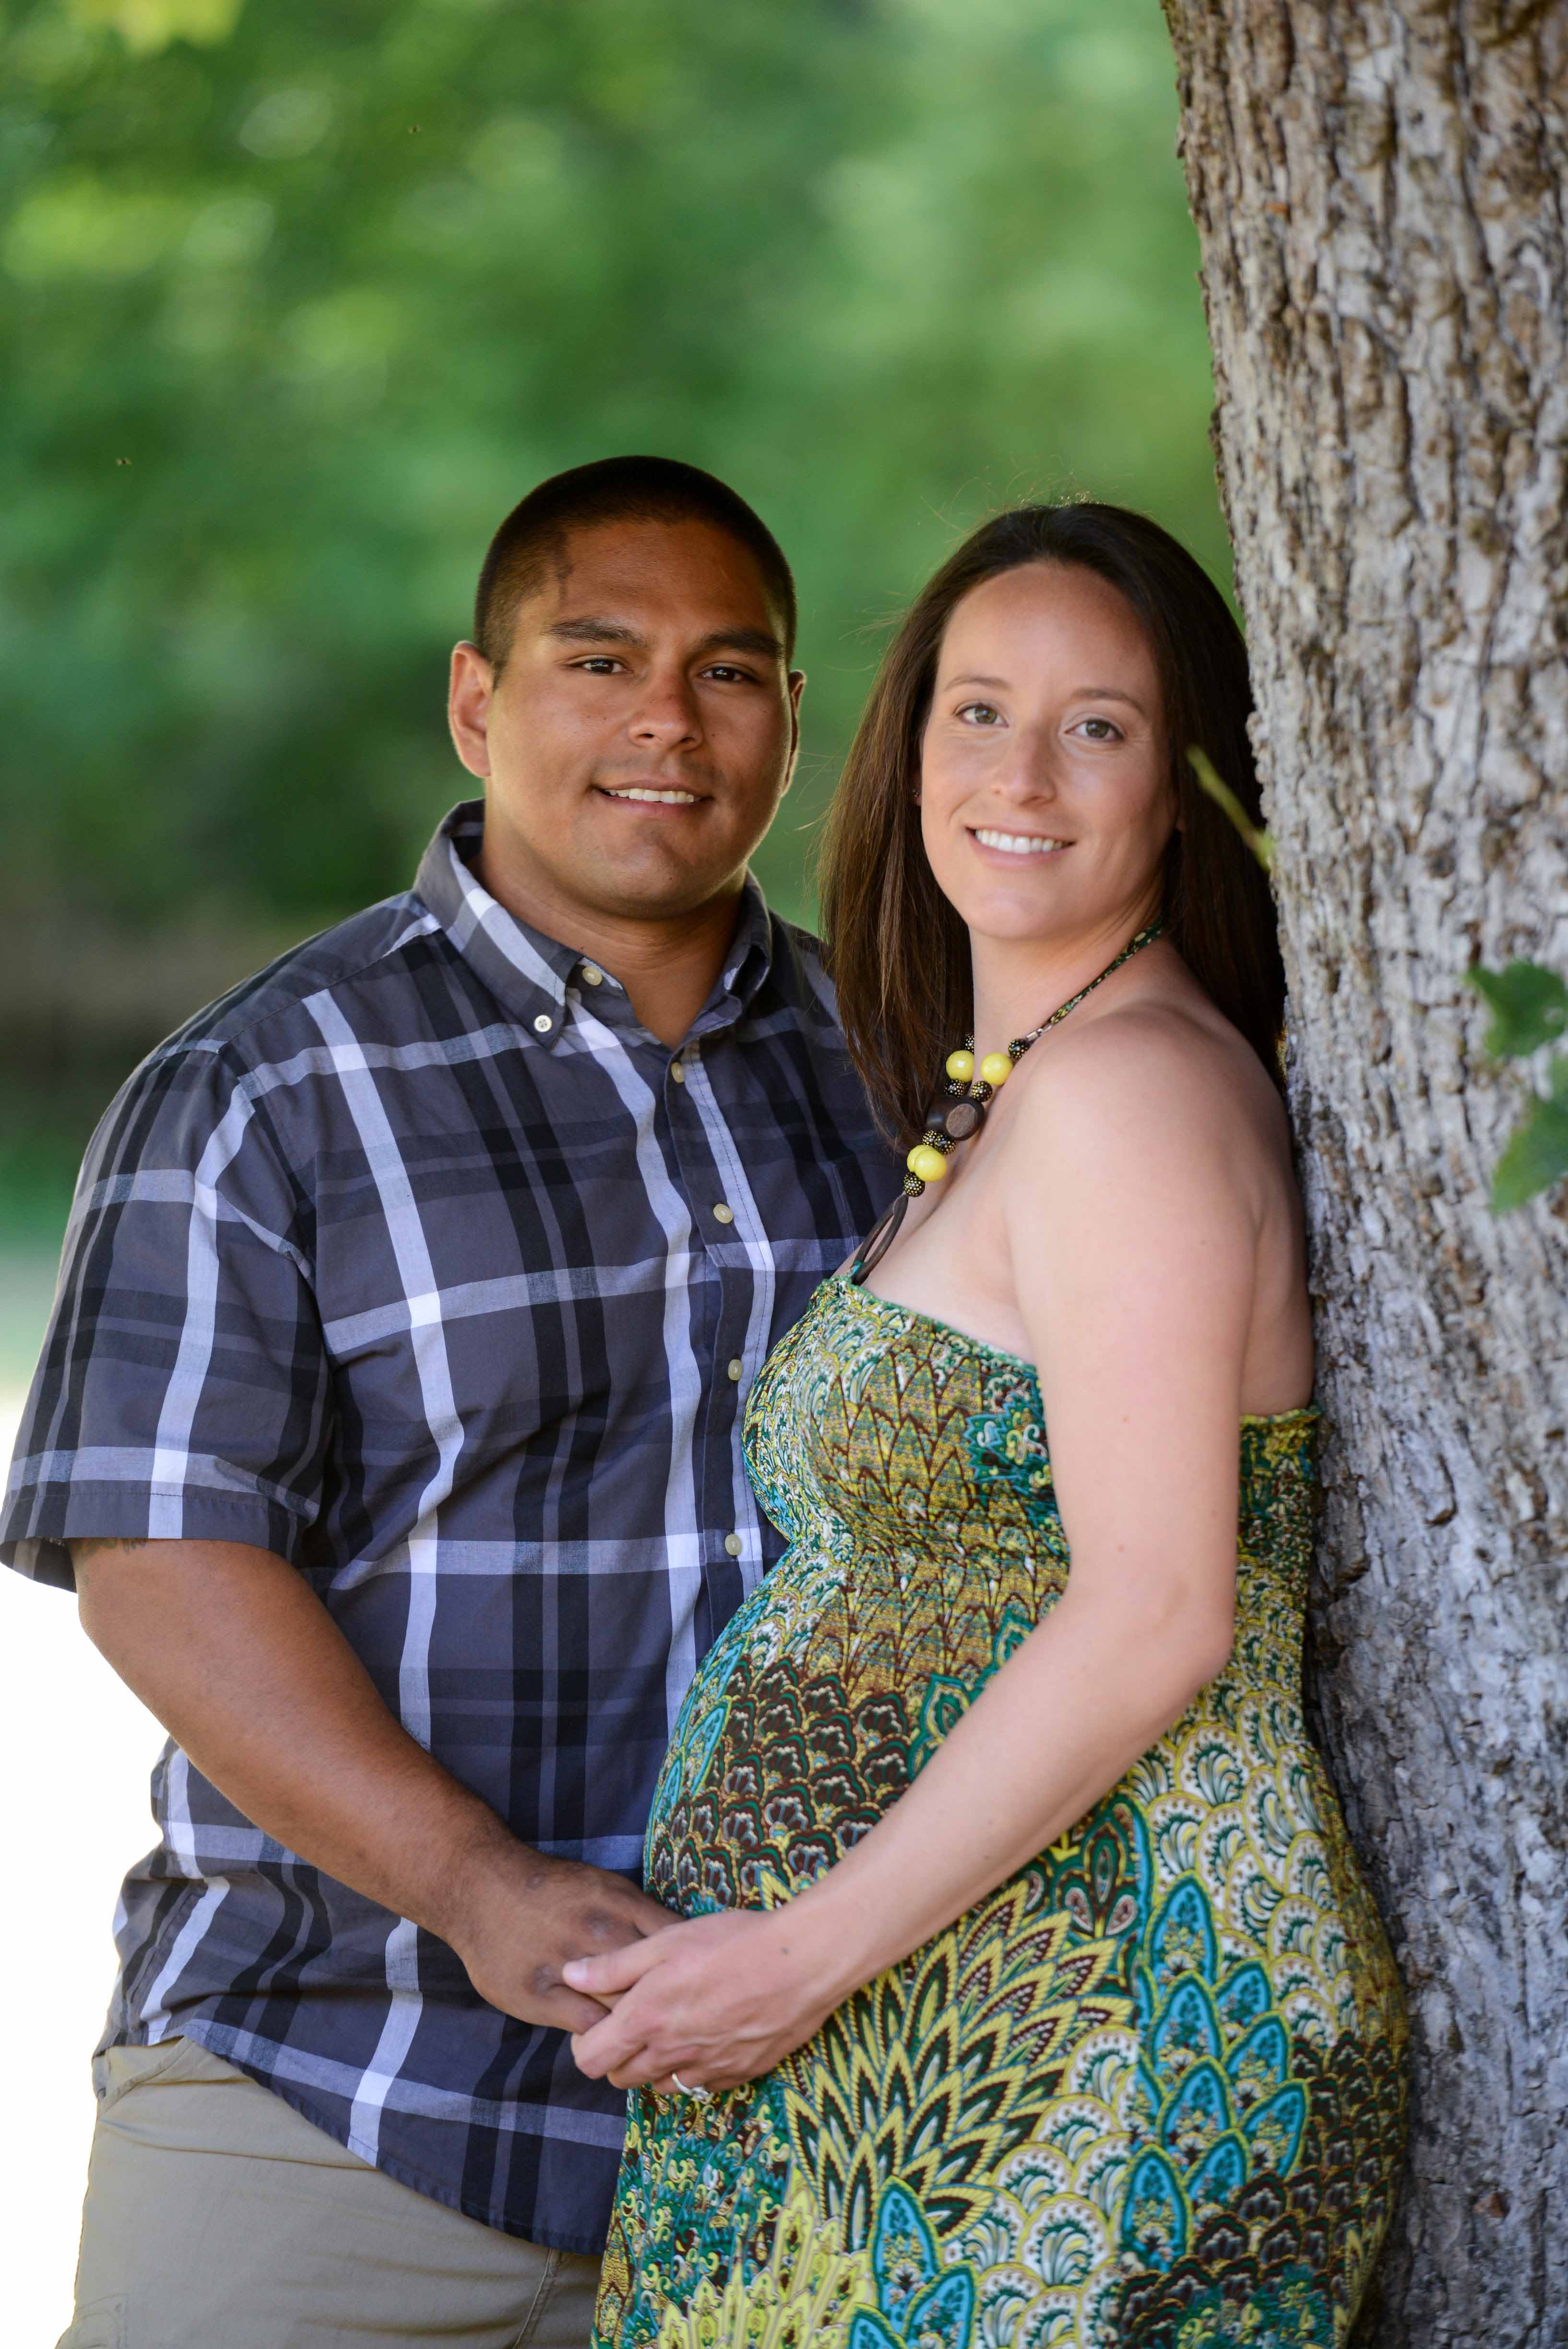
<point>1149,2094</point>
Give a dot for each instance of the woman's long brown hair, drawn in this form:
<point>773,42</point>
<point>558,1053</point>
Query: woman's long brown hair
<point>899,952</point>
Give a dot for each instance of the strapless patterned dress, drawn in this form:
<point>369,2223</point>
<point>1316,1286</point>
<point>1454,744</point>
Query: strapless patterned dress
<point>1150,2092</point>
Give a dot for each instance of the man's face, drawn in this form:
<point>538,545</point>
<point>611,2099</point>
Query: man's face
<point>642,730</point>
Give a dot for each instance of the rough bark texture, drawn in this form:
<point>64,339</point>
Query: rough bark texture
<point>1379,187</point>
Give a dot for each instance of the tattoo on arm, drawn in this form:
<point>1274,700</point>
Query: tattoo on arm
<point>82,1550</point>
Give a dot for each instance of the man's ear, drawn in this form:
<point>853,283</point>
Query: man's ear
<point>796,688</point>
<point>469,693</point>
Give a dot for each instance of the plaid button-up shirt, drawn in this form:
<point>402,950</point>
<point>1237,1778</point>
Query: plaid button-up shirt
<point>419,1262</point>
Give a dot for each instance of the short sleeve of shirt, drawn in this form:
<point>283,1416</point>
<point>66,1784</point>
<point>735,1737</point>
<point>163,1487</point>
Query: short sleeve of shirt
<point>182,1389</point>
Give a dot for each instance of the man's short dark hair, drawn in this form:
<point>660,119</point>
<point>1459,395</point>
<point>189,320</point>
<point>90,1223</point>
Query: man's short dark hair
<point>535,534</point>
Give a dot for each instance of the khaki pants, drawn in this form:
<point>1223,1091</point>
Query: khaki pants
<point>216,2217</point>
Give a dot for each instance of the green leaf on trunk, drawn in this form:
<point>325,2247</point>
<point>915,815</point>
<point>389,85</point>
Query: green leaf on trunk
<point>1261,843</point>
<point>1537,1153</point>
<point>1529,1007</point>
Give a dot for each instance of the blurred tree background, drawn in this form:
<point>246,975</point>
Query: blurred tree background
<point>302,295</point>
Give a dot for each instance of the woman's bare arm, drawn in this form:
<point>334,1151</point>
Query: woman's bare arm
<point>1132,1217</point>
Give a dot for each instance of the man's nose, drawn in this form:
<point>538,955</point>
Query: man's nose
<point>667,714</point>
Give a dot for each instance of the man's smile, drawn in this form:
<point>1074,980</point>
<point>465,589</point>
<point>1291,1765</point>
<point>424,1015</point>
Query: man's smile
<point>648,794</point>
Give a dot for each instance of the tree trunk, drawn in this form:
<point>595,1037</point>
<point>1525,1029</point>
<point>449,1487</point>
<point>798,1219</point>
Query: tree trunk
<point>1379,191</point>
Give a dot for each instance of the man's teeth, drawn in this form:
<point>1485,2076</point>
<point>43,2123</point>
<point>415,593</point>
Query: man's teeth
<point>660,798</point>
<point>1019,843</point>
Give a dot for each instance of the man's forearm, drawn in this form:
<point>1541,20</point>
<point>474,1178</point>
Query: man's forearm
<point>248,1672</point>
<point>239,1660</point>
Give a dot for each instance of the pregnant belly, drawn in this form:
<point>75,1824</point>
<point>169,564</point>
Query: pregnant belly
<point>775,1773</point>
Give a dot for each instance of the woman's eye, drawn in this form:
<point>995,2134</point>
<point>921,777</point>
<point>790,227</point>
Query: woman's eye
<point>1100,729</point>
<point>980,713</point>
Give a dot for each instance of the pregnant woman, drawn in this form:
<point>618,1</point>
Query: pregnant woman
<point>1030,1993</point>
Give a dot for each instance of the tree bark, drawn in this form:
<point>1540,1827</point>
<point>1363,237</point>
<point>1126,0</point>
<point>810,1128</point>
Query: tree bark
<point>1379,188</point>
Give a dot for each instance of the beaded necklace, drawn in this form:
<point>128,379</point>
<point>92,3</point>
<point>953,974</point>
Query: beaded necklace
<point>960,1115</point>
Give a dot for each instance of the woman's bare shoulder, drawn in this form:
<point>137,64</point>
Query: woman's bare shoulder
<point>1158,1075</point>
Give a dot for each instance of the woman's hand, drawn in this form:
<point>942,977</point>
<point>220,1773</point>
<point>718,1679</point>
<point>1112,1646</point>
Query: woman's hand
<point>718,2001</point>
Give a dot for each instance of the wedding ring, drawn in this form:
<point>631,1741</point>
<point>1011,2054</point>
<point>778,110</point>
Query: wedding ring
<point>698,2095</point>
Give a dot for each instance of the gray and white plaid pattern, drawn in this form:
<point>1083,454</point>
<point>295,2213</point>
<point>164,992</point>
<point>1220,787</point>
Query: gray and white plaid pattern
<point>418,1261</point>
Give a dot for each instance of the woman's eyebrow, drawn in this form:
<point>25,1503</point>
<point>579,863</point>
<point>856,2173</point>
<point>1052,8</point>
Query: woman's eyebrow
<point>1079,692</point>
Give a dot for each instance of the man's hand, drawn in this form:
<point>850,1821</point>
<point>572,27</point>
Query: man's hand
<point>525,1916</point>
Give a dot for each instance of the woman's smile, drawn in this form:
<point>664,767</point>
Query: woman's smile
<point>1016,843</point>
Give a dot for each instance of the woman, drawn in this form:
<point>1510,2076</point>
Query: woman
<point>1032,1994</point>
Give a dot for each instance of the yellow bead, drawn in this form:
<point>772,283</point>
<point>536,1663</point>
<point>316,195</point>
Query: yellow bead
<point>995,1069</point>
<point>959,1066</point>
<point>926,1164</point>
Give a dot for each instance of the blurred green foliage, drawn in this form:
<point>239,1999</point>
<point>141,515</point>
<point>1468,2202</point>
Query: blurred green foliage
<point>295,314</point>
<point>302,295</point>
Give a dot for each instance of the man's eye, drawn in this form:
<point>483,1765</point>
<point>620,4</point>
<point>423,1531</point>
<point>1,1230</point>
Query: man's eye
<point>980,713</point>
<point>598,665</point>
<point>727,674</point>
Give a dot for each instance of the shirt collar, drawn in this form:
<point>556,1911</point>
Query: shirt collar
<point>536,979</point>
<point>747,963</point>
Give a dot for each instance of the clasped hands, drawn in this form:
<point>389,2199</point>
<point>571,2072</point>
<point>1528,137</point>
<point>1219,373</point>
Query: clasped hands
<point>716,2001</point>
<point>719,2000</point>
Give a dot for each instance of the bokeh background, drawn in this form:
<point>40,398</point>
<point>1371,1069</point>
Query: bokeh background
<point>299,297</point>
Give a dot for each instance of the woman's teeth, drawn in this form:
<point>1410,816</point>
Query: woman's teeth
<point>1019,843</point>
<point>660,798</point>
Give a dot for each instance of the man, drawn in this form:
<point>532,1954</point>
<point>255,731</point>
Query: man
<point>388,1425</point>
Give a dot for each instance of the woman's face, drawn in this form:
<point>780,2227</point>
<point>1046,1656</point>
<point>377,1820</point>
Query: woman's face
<point>1045,806</point>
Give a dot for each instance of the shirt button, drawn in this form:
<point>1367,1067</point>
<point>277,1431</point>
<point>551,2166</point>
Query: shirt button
<point>736,1366</point>
<point>733,1543</point>
<point>722,1215</point>
<point>543,1025</point>
<point>678,1072</point>
<point>592,974</point>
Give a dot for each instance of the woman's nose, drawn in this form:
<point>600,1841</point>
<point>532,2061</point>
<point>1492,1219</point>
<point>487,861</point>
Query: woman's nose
<point>1029,772</point>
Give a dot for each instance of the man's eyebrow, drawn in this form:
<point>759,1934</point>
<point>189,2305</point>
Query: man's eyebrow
<point>590,631</point>
<point>756,641</point>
